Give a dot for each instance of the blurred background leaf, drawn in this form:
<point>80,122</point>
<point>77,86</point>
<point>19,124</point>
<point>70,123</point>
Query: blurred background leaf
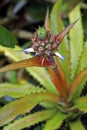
<point>7,38</point>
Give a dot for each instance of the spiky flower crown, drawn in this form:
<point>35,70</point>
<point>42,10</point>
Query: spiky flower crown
<point>44,43</point>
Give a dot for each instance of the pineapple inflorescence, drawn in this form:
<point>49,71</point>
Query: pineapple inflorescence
<point>44,43</point>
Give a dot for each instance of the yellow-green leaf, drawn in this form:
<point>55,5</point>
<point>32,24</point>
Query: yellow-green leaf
<point>82,65</point>
<point>76,40</point>
<point>18,90</point>
<point>76,124</point>
<point>55,122</point>
<point>81,103</point>
<point>55,19</point>
<point>30,120</point>
<point>24,105</point>
<point>83,60</point>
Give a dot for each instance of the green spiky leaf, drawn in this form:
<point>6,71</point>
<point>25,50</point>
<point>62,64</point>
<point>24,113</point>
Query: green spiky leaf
<point>77,124</point>
<point>82,65</point>
<point>55,122</point>
<point>81,103</point>
<point>24,105</point>
<point>7,39</point>
<point>30,120</point>
<point>18,90</point>
<point>78,81</point>
<point>83,62</point>
<point>55,20</point>
<point>76,40</point>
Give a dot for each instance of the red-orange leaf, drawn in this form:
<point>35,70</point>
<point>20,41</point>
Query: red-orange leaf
<point>77,81</point>
<point>61,73</point>
<point>35,61</point>
<point>62,34</point>
<point>47,21</point>
<point>55,77</point>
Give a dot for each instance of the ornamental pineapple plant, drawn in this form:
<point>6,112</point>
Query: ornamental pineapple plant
<point>62,70</point>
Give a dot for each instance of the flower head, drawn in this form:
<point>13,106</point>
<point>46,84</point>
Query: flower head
<point>44,44</point>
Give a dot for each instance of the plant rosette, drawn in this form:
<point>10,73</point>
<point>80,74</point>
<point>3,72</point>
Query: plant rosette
<point>60,95</point>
